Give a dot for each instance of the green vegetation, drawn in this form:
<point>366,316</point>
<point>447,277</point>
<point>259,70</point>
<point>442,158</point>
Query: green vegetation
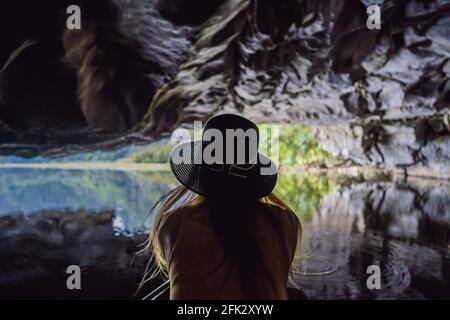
<point>297,146</point>
<point>132,194</point>
<point>154,153</point>
<point>303,192</point>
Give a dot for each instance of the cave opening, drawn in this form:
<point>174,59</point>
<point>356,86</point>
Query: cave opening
<point>360,118</point>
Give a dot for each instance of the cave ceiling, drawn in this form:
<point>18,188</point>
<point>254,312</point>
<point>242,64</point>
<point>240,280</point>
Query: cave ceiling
<point>139,69</point>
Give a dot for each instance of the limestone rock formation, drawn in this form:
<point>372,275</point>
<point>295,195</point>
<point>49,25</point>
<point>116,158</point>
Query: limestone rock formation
<point>313,62</point>
<point>419,145</point>
<point>187,12</point>
<point>124,52</point>
<point>102,76</point>
<point>378,97</point>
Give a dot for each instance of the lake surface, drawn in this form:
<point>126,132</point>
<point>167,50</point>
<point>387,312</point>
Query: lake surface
<point>349,224</point>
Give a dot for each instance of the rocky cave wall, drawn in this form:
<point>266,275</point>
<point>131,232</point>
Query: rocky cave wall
<point>376,97</point>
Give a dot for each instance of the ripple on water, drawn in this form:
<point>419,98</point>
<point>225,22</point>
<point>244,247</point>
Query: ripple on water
<point>334,266</point>
<point>314,264</point>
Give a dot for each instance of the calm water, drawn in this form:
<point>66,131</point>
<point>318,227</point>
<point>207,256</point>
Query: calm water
<point>349,224</point>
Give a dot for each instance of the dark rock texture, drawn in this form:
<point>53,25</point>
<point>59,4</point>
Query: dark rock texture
<point>419,145</point>
<point>124,52</point>
<point>102,76</point>
<point>378,97</point>
<point>187,11</point>
<point>40,94</point>
<point>36,88</point>
<point>312,62</point>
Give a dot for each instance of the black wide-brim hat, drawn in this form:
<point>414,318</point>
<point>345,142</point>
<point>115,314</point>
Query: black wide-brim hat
<point>252,179</point>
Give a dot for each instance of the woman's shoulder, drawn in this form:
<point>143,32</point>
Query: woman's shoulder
<point>286,215</point>
<point>175,215</point>
<point>279,210</point>
<point>171,227</point>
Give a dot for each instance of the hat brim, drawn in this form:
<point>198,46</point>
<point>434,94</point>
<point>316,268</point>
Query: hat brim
<point>191,176</point>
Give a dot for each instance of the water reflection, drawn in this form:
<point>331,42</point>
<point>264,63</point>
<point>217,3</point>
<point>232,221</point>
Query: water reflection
<point>129,194</point>
<point>404,227</point>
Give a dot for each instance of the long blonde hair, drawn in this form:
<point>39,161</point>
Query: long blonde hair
<point>175,199</point>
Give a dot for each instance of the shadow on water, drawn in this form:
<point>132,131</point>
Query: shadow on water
<point>50,219</point>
